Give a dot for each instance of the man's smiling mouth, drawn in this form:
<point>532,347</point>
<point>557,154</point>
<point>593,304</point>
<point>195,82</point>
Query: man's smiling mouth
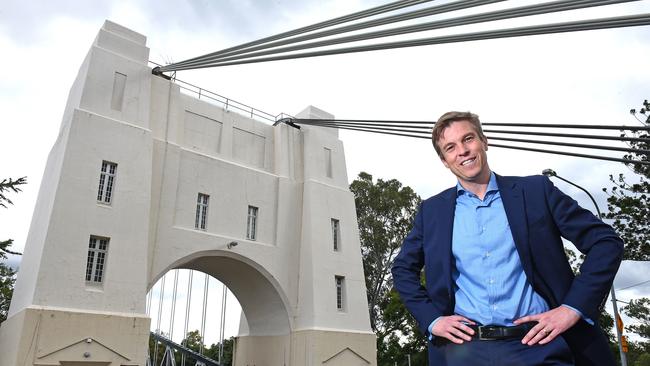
<point>468,161</point>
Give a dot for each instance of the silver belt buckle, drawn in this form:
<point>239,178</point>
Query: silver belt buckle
<point>480,333</point>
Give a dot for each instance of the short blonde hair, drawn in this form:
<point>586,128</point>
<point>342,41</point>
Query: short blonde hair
<point>450,117</point>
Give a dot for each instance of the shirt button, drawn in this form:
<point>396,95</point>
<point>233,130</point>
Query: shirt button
<point>491,280</point>
<point>487,254</point>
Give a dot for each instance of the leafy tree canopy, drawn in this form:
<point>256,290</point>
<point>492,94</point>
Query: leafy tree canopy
<point>629,200</point>
<point>7,275</point>
<point>385,211</point>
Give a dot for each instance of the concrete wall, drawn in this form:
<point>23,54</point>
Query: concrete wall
<point>169,147</point>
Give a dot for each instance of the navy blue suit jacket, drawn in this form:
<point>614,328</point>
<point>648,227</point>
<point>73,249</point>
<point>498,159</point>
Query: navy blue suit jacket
<point>539,214</point>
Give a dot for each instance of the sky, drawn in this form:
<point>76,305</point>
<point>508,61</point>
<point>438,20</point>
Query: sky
<point>592,77</point>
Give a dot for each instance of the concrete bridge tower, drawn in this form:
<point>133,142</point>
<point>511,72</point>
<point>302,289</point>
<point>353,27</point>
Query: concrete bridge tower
<point>143,179</point>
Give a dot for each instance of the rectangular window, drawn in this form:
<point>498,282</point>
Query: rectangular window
<point>336,235</point>
<point>106,182</point>
<point>96,263</point>
<point>340,290</point>
<point>328,162</point>
<point>201,220</point>
<point>251,224</point>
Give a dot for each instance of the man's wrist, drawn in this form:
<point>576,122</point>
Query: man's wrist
<point>430,328</point>
<point>588,320</point>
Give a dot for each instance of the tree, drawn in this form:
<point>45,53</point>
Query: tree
<point>639,310</point>
<point>213,351</point>
<point>385,211</point>
<point>7,275</point>
<point>629,203</point>
<point>629,208</point>
<point>193,341</point>
<point>7,279</point>
<point>8,185</point>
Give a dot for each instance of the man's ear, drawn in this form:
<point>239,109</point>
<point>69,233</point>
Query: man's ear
<point>485,143</point>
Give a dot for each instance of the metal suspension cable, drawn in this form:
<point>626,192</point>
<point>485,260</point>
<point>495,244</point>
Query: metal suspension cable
<point>490,137</point>
<point>582,25</point>
<point>431,123</point>
<point>173,314</point>
<point>570,144</point>
<point>551,134</point>
<point>222,326</point>
<point>598,157</point>
<point>571,135</point>
<point>523,11</point>
<point>160,305</point>
<point>328,23</point>
<point>148,307</point>
<point>187,312</point>
<point>205,307</point>
<point>458,5</point>
<point>636,284</point>
<point>533,133</point>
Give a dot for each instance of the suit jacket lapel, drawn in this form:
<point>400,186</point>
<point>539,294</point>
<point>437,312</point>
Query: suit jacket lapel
<point>445,229</point>
<point>512,195</point>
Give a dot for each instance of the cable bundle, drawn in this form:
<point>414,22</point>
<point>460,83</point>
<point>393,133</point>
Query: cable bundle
<point>283,46</point>
<point>422,129</point>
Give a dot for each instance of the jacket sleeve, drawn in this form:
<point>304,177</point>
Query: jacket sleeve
<point>602,247</point>
<point>407,269</point>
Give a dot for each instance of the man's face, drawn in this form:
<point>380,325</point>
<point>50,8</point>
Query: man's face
<point>464,153</point>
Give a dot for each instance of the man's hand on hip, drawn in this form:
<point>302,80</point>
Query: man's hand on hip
<point>454,328</point>
<point>550,324</point>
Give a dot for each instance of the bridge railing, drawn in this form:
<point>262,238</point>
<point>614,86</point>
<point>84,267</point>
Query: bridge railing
<point>226,103</point>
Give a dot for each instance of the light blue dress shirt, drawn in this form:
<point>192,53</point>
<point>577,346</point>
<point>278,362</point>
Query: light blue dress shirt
<point>491,287</point>
<point>490,284</point>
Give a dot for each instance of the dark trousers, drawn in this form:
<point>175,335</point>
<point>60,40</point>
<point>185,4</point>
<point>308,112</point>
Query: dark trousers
<point>508,352</point>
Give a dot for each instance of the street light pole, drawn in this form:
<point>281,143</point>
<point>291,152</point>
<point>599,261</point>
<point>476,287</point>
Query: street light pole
<point>551,173</point>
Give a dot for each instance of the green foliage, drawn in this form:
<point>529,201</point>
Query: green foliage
<point>629,202</point>
<point>10,185</point>
<point>7,279</point>
<point>639,310</point>
<point>7,275</point>
<point>385,211</point>
<point>642,360</point>
<point>194,341</point>
<point>226,358</point>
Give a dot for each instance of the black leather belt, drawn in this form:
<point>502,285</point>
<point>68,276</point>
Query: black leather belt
<point>497,332</point>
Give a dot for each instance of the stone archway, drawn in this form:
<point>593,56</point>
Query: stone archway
<point>262,300</point>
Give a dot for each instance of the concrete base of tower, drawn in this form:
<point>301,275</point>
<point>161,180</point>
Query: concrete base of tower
<point>57,336</point>
<point>308,348</point>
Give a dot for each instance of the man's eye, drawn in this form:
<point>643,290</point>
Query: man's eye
<point>469,138</point>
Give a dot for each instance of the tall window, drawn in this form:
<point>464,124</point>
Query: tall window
<point>200,222</point>
<point>340,290</point>
<point>106,182</point>
<point>251,224</point>
<point>96,263</point>
<point>336,234</point>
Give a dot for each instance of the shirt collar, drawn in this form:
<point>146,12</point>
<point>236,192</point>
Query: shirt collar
<point>492,186</point>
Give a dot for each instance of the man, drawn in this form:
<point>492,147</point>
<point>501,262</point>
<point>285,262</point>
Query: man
<point>498,287</point>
